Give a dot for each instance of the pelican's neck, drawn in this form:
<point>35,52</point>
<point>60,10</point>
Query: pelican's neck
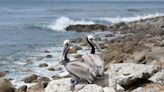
<point>92,46</point>
<point>66,59</point>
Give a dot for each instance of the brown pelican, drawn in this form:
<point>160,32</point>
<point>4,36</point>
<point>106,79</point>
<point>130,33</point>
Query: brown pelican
<point>93,59</point>
<point>80,70</point>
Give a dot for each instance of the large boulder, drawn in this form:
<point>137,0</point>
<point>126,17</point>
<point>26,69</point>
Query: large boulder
<point>6,86</point>
<point>63,85</point>
<point>126,74</point>
<point>37,88</point>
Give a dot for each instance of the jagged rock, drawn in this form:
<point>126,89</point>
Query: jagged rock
<point>30,79</point>
<point>60,85</point>
<point>63,85</point>
<point>43,80</point>
<point>36,88</point>
<point>6,86</point>
<point>91,88</point>
<point>43,65</point>
<point>128,73</point>
<point>140,89</point>
<point>158,77</point>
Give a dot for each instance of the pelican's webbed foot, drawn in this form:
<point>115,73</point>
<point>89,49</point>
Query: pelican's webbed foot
<point>74,81</point>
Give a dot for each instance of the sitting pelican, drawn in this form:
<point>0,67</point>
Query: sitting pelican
<point>79,70</point>
<point>94,59</point>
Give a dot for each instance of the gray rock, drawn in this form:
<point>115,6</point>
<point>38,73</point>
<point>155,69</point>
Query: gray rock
<point>158,77</point>
<point>128,73</point>
<point>63,85</point>
<point>140,89</point>
<point>109,89</point>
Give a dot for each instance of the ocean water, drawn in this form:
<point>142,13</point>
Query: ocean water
<point>29,27</point>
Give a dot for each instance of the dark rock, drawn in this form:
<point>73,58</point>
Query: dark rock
<point>22,89</point>
<point>49,56</point>
<point>6,86</point>
<point>43,65</point>
<point>87,28</point>
<point>2,74</point>
<point>30,79</point>
<point>43,80</point>
<point>47,51</point>
<point>51,69</point>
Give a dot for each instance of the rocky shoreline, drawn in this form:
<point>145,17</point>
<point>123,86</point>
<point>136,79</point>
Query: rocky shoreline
<point>134,62</point>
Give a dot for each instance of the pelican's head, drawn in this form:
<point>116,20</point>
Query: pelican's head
<point>66,47</point>
<point>91,41</point>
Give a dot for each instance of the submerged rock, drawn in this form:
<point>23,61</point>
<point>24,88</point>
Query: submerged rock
<point>43,65</point>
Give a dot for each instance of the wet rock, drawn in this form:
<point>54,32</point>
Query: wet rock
<point>29,61</point>
<point>49,56</point>
<point>43,80</point>
<point>78,56</point>
<point>46,51</point>
<point>36,88</point>
<point>6,86</point>
<point>30,79</point>
<point>77,40</point>
<point>126,74</point>
<point>51,69</point>
<point>72,50</point>
<point>2,74</point>
<point>43,65</point>
<point>22,89</point>
<point>87,28</point>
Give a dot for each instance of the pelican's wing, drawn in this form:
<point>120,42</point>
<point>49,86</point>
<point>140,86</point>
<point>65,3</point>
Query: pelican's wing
<point>79,69</point>
<point>99,62</point>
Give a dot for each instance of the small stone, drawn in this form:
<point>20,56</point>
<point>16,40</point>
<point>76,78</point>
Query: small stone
<point>43,65</point>
<point>2,74</point>
<point>30,79</point>
<point>51,69</point>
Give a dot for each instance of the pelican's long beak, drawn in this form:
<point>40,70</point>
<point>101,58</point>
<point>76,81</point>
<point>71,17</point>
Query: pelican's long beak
<point>96,45</point>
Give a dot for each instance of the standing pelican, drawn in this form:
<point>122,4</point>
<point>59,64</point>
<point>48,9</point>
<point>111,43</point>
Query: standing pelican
<point>94,59</point>
<point>80,70</point>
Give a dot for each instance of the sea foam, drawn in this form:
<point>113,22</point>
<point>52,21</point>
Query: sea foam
<point>127,19</point>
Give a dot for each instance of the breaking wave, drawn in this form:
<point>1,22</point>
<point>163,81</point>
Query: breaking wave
<point>128,19</point>
<point>63,22</point>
